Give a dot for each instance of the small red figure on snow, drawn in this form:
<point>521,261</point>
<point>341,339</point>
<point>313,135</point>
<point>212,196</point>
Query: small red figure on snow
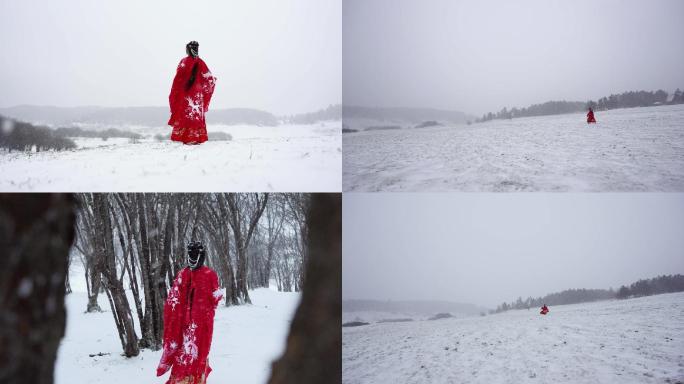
<point>190,96</point>
<point>189,321</point>
<point>544,310</point>
<point>590,116</point>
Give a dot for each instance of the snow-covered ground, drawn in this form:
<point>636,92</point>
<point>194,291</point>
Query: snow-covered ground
<point>246,340</point>
<point>629,341</point>
<point>637,149</point>
<point>286,158</point>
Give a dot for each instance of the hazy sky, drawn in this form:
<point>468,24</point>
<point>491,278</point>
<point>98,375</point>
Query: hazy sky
<point>489,248</point>
<point>479,56</point>
<point>280,56</point>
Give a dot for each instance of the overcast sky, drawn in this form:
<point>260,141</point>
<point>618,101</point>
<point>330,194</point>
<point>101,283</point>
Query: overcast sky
<point>280,56</point>
<point>479,56</point>
<point>488,248</point>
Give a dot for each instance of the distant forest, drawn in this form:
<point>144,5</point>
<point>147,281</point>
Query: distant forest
<point>624,100</point>
<point>654,286</point>
<point>21,136</point>
<point>333,112</point>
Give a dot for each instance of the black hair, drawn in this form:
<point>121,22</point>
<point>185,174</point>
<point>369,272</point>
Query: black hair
<point>196,254</point>
<point>192,49</point>
<point>191,80</point>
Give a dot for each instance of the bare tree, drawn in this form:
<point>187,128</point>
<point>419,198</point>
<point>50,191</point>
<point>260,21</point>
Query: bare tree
<point>215,222</point>
<point>112,281</point>
<point>275,220</point>
<point>244,213</point>
<point>36,232</point>
<point>85,237</point>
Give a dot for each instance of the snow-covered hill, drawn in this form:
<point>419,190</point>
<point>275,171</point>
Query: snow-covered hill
<point>246,340</point>
<point>283,158</point>
<point>627,341</point>
<point>637,149</point>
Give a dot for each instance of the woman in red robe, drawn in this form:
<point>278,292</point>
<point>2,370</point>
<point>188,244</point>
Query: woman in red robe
<point>190,96</point>
<point>189,321</point>
<point>544,310</point>
<point>590,116</point>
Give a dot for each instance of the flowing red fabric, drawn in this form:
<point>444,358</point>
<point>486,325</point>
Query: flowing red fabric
<point>188,325</point>
<point>189,102</point>
<point>590,117</point>
<point>544,310</point>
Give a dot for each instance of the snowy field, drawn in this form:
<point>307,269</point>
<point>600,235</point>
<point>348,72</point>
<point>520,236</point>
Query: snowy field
<point>630,341</point>
<point>246,340</point>
<point>637,149</point>
<point>285,158</point>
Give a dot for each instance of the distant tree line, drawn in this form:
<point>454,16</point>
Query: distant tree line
<point>654,286</point>
<point>102,134</point>
<point>569,296</point>
<point>548,108</point>
<point>332,113</point>
<point>21,136</point>
<point>624,100</point>
<point>634,99</point>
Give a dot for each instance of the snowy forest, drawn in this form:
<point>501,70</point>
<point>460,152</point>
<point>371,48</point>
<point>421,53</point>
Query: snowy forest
<point>624,100</point>
<point>136,243</point>
<point>644,287</point>
<point>133,244</point>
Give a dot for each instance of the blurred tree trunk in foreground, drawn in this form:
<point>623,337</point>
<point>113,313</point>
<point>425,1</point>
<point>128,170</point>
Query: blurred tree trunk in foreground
<point>36,232</point>
<point>313,353</point>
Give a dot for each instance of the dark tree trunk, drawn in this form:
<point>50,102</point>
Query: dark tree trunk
<point>242,292</point>
<point>313,353</point>
<point>36,232</point>
<point>118,302</point>
<point>67,284</point>
<point>147,336</point>
<point>95,284</point>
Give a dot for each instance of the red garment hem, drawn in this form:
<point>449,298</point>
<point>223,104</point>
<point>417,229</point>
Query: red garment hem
<point>189,141</point>
<point>189,138</point>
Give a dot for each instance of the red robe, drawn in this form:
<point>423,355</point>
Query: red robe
<point>189,104</point>
<point>590,117</point>
<point>189,324</point>
<point>544,310</point>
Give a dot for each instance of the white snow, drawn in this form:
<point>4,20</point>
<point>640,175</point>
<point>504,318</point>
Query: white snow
<point>637,149</point>
<point>247,339</point>
<point>286,158</point>
<point>627,341</point>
